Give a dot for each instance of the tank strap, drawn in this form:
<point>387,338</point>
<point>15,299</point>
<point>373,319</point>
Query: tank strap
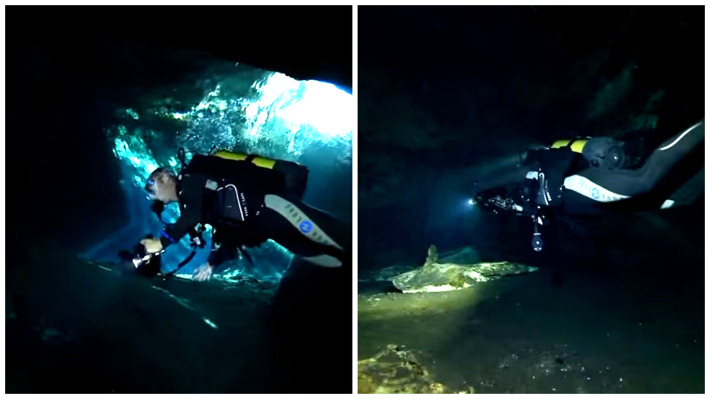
<point>181,158</point>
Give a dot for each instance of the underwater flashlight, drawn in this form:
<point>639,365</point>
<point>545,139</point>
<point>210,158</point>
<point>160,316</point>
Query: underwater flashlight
<point>139,261</point>
<point>146,264</point>
<point>537,236</point>
<point>537,242</point>
<point>471,201</point>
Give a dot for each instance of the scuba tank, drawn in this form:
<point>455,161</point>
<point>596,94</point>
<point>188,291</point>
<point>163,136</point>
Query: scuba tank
<point>278,176</point>
<point>295,176</point>
<point>604,152</point>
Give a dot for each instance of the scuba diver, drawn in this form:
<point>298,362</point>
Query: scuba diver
<point>247,200</point>
<point>586,177</point>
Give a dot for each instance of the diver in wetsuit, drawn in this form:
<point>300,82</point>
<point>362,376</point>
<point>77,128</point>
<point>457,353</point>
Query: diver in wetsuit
<point>583,177</point>
<point>245,204</point>
<point>609,181</point>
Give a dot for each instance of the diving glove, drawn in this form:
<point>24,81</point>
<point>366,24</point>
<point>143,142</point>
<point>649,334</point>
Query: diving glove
<point>203,273</point>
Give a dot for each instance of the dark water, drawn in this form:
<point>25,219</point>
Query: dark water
<point>449,94</point>
<point>74,325</point>
<point>77,326</point>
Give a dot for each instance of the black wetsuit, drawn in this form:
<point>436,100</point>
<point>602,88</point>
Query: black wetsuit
<point>587,183</point>
<point>246,205</point>
<point>600,185</point>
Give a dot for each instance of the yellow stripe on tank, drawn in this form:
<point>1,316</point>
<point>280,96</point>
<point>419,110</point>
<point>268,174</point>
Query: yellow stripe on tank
<point>258,161</point>
<point>559,143</point>
<point>577,145</point>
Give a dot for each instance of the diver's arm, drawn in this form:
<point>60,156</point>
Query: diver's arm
<point>190,211</point>
<point>511,171</point>
<point>504,179</point>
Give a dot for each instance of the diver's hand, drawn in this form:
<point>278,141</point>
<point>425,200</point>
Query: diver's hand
<point>203,273</point>
<point>152,245</point>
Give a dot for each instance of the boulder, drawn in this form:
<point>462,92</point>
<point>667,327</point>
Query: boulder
<point>397,370</point>
<point>435,276</point>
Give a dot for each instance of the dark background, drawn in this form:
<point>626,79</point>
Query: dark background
<point>449,94</point>
<point>447,91</point>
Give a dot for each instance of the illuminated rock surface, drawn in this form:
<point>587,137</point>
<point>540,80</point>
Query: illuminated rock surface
<point>435,276</point>
<point>397,370</point>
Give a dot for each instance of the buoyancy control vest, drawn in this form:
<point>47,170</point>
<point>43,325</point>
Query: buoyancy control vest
<point>236,184</point>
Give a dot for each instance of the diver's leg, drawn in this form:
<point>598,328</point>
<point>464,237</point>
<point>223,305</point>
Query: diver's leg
<point>673,150</point>
<point>305,231</point>
<point>624,183</point>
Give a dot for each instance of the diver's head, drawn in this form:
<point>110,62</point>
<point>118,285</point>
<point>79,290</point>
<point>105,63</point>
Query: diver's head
<point>162,185</point>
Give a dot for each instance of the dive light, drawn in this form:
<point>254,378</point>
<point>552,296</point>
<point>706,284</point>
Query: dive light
<point>140,261</point>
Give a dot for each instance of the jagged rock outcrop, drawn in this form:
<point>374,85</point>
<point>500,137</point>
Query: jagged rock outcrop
<point>397,370</point>
<point>434,276</point>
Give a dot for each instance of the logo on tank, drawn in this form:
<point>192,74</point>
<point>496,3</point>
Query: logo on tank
<point>595,193</point>
<point>306,226</point>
